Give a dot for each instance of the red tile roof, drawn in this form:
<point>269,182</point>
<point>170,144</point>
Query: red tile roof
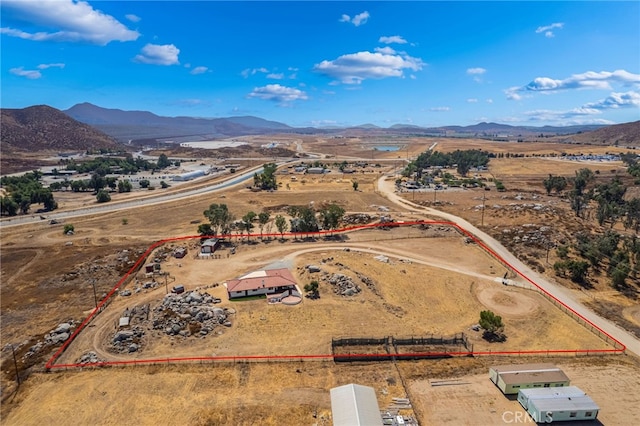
<point>269,278</point>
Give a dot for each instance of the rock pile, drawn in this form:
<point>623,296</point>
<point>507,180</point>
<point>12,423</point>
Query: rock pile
<point>89,358</point>
<point>190,314</point>
<point>60,334</point>
<point>127,341</point>
<point>343,285</point>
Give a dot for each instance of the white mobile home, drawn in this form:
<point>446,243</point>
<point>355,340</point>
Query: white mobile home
<point>511,378</point>
<point>549,405</point>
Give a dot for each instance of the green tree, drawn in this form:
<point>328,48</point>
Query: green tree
<point>144,183</point>
<point>68,228</point>
<point>312,289</point>
<point>492,325</point>
<point>247,222</point>
<point>220,218</point>
<point>267,179</point>
<point>103,196</point>
<point>164,184</point>
<point>124,186</point>
<point>281,225</point>
<point>8,206</point>
<point>205,229</point>
<point>163,161</point>
<point>354,184</point>
<point>331,216</point>
<point>263,218</point>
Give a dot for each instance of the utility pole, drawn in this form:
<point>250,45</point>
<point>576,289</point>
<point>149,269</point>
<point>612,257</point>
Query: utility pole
<point>95,296</point>
<point>15,364</point>
<point>482,220</point>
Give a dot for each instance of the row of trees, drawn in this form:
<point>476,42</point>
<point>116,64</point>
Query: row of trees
<point>304,219</point>
<point>463,160</point>
<point>22,192</point>
<point>127,165</point>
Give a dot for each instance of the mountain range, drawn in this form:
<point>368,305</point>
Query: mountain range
<point>130,125</point>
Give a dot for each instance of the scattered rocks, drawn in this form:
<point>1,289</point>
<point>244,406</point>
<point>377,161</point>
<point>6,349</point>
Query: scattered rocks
<point>89,358</point>
<point>343,285</point>
<point>60,334</point>
<point>190,314</point>
<point>124,340</point>
<point>313,268</point>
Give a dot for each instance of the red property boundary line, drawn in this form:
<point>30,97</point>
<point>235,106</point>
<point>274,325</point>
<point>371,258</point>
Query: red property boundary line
<point>619,347</point>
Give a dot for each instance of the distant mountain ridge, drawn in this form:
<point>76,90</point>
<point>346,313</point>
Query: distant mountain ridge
<point>125,125</point>
<point>42,127</point>
<point>128,125</point>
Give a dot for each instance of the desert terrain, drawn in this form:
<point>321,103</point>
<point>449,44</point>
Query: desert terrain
<point>434,283</point>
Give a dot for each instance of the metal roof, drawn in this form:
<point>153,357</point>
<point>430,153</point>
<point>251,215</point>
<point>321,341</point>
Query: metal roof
<point>355,405</point>
<point>564,403</point>
<point>545,393</point>
<point>530,373</point>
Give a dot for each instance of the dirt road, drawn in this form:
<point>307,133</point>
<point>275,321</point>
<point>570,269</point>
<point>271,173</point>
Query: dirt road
<point>387,189</point>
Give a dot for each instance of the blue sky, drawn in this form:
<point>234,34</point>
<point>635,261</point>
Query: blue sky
<point>329,63</point>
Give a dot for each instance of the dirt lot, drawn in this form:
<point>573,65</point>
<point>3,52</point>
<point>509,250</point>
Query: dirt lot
<point>43,268</point>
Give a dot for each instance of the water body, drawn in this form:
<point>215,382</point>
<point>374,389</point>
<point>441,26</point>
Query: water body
<point>387,148</point>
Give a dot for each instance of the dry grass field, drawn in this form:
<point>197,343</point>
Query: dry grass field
<point>46,279</point>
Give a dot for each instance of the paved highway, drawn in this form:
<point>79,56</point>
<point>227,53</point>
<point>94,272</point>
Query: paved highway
<point>111,207</point>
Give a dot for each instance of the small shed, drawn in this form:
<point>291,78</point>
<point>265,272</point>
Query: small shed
<point>355,405</point>
<point>550,405</point>
<point>209,246</point>
<point>511,378</point>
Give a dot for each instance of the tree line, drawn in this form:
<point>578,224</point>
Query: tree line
<point>463,161</point>
<point>304,219</point>
<point>22,192</point>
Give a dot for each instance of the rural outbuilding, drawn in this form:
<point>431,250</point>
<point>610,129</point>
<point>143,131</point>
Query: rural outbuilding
<point>209,246</point>
<point>548,405</point>
<point>511,378</point>
<point>355,405</point>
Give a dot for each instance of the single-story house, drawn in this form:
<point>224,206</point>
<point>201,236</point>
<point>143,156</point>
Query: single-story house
<point>546,405</point>
<point>316,170</point>
<point>511,378</point>
<point>268,281</point>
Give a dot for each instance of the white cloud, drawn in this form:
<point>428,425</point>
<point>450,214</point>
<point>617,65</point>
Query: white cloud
<point>472,100</point>
<point>616,100</point>
<point>392,39</point>
<point>69,20</point>
<point>476,71</point>
<point>253,71</point>
<point>359,19</point>
<point>277,93</point>
<point>45,66</point>
<point>385,50</point>
<point>275,76</point>
<point>158,54</point>
<point>587,80</point>
<point>30,74</point>
<point>489,100</point>
<point>586,114</point>
<point>355,67</point>
<point>132,17</point>
<point>440,109</point>
<point>199,70</point>
<point>546,29</point>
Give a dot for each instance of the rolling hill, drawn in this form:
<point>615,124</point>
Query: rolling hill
<point>43,128</point>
